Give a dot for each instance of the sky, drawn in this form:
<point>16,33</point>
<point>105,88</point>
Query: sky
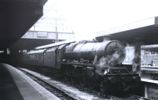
<point>87,17</point>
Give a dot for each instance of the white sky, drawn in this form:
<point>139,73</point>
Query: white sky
<point>86,17</point>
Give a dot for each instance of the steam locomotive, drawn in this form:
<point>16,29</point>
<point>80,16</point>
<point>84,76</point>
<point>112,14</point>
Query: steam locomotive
<point>96,64</point>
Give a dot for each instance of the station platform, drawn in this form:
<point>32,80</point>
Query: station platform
<point>15,85</point>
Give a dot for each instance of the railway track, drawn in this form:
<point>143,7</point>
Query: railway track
<point>55,90</point>
<point>69,93</point>
<point>61,90</point>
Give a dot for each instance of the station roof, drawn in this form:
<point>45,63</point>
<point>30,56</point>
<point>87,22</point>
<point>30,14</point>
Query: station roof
<point>144,32</point>
<point>55,44</point>
<point>153,47</point>
<point>16,17</point>
<point>28,44</point>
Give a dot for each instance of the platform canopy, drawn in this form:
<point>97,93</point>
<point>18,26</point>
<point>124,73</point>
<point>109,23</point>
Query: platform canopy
<point>16,17</point>
<point>142,32</point>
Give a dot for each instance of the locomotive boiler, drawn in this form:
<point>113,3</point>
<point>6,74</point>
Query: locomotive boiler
<point>88,50</point>
<point>99,55</point>
<point>96,64</point>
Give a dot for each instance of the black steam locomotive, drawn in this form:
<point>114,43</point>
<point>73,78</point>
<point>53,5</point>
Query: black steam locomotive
<point>96,64</point>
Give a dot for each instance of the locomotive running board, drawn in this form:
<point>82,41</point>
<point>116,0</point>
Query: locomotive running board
<point>122,74</point>
<point>82,64</point>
